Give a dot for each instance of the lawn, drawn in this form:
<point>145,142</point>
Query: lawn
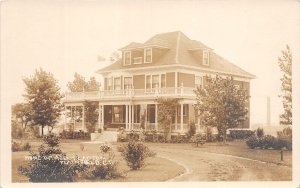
<point>156,169</point>
<point>236,148</point>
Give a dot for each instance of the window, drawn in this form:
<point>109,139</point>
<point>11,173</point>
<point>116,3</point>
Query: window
<point>205,57</point>
<point>163,80</point>
<point>118,114</point>
<point>109,83</point>
<point>198,82</point>
<point>148,55</point>
<point>155,81</point>
<point>185,110</point>
<point>127,82</point>
<point>117,83</point>
<point>127,58</point>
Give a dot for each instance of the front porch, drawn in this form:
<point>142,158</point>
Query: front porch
<point>130,116</point>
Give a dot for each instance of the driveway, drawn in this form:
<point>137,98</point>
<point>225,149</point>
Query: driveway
<point>206,166</point>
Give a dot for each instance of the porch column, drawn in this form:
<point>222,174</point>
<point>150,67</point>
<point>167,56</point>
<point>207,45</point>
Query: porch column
<point>65,126</point>
<point>129,122</point>
<point>181,117</point>
<point>82,118</point>
<point>198,118</point>
<point>156,117</point>
<point>102,118</point>
<point>176,118</point>
<point>74,122</point>
<point>132,116</point>
<point>126,117</point>
<point>99,117</point>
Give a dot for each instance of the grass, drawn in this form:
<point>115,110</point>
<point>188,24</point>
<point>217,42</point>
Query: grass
<point>157,169</point>
<point>237,148</point>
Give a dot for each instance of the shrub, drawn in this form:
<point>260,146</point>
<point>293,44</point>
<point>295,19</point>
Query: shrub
<point>260,132</point>
<point>252,142</point>
<point>135,154</point>
<point>268,142</point>
<point>192,129</point>
<point>74,135</point>
<point>26,147</point>
<point>16,146</point>
<point>105,148</point>
<point>104,167</point>
<point>240,133</point>
<point>19,146</point>
<point>50,164</point>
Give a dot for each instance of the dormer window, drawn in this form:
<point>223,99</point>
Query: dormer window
<point>127,58</point>
<point>206,57</point>
<point>148,55</point>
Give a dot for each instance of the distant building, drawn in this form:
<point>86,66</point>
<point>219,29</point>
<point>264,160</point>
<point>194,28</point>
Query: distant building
<point>167,65</point>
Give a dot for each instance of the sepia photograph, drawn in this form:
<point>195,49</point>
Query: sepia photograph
<point>170,91</point>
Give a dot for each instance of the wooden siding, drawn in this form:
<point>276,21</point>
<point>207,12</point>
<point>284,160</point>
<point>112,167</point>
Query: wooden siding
<point>139,81</point>
<point>170,79</point>
<point>188,80</point>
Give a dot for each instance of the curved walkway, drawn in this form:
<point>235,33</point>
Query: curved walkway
<point>206,166</point>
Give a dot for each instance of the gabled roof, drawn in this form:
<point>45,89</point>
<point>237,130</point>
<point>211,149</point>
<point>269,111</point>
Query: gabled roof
<point>180,52</point>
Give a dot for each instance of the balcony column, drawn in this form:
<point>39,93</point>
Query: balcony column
<point>181,117</point>
<point>126,117</point>
<point>83,125</point>
<point>156,116</point>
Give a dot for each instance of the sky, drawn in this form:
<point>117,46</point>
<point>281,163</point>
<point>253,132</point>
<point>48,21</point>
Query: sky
<point>64,37</point>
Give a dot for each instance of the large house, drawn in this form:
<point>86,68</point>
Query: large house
<point>167,65</point>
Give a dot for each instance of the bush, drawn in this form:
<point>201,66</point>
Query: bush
<point>26,147</point>
<point>252,142</point>
<point>105,148</point>
<point>260,132</point>
<point>50,164</point>
<point>104,167</point>
<point>268,142</point>
<point>192,129</point>
<point>74,135</point>
<point>240,133</point>
<point>135,154</point>
<point>19,146</point>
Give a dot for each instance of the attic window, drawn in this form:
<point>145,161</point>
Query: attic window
<point>206,57</point>
<point>127,58</point>
<point>148,55</point>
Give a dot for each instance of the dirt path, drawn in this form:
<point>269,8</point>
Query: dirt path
<point>205,166</point>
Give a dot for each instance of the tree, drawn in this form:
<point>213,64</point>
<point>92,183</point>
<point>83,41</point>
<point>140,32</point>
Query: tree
<point>79,84</point>
<point>221,104</point>
<point>115,56</point>
<point>42,94</point>
<point>91,114</point>
<point>166,111</point>
<point>23,112</point>
<point>285,64</point>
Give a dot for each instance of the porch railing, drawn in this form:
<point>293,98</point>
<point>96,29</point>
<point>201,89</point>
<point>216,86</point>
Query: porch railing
<point>107,94</point>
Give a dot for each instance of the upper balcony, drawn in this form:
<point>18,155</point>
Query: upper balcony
<point>130,93</point>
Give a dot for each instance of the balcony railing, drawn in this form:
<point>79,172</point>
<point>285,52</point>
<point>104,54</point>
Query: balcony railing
<point>128,93</point>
